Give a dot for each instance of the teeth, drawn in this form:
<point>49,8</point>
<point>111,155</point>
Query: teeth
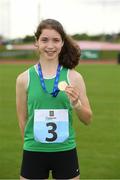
<point>49,51</point>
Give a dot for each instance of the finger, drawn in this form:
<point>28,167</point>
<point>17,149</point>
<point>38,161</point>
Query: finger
<point>72,91</point>
<point>72,88</point>
<point>72,96</point>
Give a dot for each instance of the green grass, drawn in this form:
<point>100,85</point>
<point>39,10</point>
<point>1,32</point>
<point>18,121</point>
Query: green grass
<point>98,144</point>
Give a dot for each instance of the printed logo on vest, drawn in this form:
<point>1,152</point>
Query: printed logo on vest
<point>51,113</point>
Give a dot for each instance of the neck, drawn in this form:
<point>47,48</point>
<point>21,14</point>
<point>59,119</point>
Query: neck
<point>49,68</point>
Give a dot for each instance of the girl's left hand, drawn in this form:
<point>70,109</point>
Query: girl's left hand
<point>73,94</point>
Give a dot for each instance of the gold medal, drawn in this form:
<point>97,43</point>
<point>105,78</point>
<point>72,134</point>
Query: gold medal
<point>62,85</point>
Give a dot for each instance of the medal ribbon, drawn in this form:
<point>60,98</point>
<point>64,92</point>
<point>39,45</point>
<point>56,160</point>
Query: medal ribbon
<point>55,91</point>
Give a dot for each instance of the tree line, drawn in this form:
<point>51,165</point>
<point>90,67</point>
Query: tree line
<point>115,37</point>
<point>100,37</point>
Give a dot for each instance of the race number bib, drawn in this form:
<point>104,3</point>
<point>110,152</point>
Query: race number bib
<point>51,126</point>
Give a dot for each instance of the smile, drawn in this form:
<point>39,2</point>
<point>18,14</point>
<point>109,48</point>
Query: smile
<point>50,52</point>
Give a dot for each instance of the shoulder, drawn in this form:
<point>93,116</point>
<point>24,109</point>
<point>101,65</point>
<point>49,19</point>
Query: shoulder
<point>22,79</point>
<point>75,77</point>
<point>77,80</point>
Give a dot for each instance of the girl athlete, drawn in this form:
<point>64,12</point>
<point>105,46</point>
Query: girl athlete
<point>46,95</point>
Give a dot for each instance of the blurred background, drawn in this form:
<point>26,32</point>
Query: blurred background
<point>20,18</point>
<point>93,23</point>
<point>95,26</point>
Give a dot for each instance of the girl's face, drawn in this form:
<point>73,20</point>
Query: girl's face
<point>49,44</point>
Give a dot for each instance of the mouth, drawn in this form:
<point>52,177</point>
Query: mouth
<point>50,53</point>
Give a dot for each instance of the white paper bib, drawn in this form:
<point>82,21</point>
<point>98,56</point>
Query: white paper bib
<point>51,125</point>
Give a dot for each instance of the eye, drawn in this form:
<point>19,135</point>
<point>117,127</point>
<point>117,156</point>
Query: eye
<point>44,39</point>
<point>56,40</point>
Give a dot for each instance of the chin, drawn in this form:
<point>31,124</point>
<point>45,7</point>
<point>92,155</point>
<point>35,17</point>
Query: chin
<point>51,58</point>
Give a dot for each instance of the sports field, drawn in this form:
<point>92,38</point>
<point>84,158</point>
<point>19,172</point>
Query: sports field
<point>98,144</point>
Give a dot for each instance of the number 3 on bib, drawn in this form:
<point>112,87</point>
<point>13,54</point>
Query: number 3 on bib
<point>51,126</point>
<point>52,131</point>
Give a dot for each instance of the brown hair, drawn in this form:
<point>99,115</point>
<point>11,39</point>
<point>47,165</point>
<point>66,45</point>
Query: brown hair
<point>70,53</point>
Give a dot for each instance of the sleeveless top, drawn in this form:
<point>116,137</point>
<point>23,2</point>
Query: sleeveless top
<point>48,116</point>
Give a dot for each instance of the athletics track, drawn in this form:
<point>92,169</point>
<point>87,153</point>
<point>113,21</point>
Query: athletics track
<point>22,61</point>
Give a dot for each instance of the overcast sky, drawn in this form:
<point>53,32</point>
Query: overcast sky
<point>21,17</point>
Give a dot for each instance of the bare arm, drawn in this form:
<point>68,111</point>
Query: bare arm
<point>78,97</point>
<point>21,100</point>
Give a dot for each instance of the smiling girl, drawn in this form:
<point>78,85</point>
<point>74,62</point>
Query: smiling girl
<point>46,95</point>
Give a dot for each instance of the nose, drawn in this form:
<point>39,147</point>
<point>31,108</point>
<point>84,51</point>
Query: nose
<point>50,45</point>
